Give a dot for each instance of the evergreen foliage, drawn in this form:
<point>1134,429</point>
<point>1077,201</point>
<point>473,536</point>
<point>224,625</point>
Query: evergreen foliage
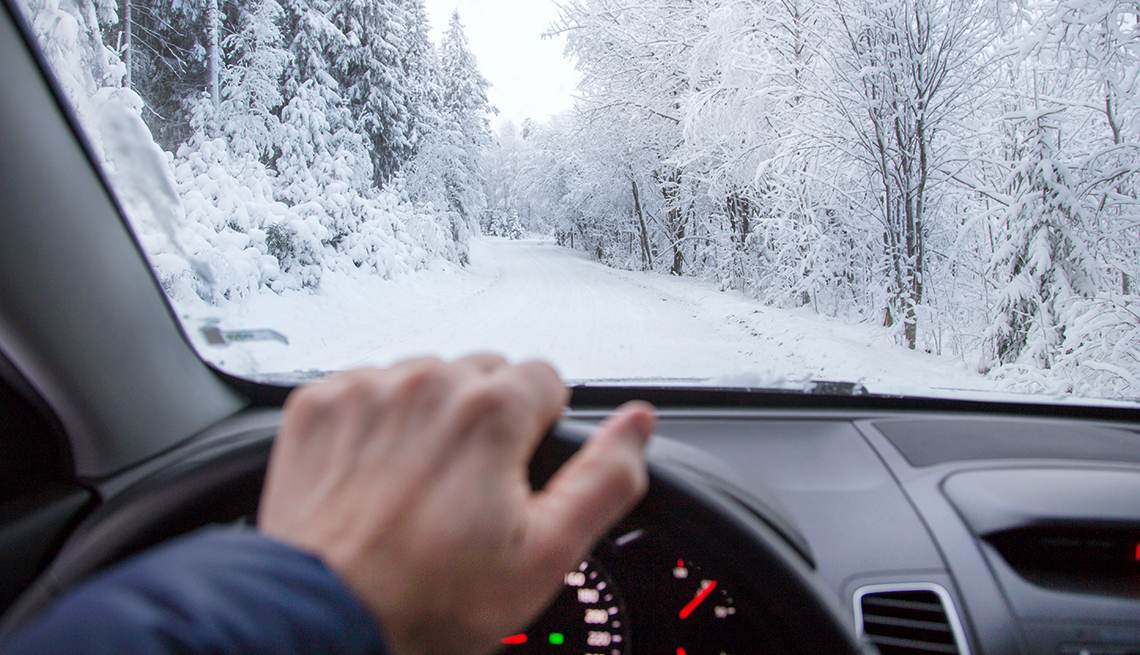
<point>293,164</point>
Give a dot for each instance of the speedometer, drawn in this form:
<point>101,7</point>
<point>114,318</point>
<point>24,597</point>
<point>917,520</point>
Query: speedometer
<point>587,618</point>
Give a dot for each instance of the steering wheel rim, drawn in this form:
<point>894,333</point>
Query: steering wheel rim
<point>219,481</point>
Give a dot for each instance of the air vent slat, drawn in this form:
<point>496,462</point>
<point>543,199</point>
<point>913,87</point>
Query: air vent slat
<point>901,621</point>
<point>903,604</point>
<point>913,646</point>
<point>908,623</point>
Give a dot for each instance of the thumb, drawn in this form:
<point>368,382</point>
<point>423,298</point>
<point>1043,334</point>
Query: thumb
<point>596,487</point>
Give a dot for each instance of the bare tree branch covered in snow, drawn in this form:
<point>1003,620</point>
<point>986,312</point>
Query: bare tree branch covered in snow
<point>962,172</point>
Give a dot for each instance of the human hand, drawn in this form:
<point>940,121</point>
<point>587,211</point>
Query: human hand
<point>411,484</point>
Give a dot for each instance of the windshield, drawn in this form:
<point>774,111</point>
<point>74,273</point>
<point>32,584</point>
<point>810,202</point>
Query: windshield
<point>918,196</point>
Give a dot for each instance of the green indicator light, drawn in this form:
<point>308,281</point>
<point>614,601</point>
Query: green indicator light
<point>557,638</point>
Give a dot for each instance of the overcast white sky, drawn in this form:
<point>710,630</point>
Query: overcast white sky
<point>528,74</point>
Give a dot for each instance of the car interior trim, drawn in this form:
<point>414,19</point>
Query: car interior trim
<point>63,242</point>
<point>956,627</point>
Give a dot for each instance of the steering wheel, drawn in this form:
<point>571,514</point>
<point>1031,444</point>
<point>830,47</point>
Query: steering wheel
<point>218,479</point>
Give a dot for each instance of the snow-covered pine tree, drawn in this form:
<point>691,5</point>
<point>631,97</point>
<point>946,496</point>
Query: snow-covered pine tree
<point>1097,43</point>
<point>373,78</point>
<point>464,123</point>
<point>312,41</point>
<point>1041,264</point>
<point>1092,52</point>
<point>448,168</point>
<point>322,147</point>
<point>251,85</point>
<point>421,67</point>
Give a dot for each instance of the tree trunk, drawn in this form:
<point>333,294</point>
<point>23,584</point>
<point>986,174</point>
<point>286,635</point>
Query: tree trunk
<point>646,257</point>
<point>127,45</point>
<point>214,53</point>
<point>678,255</point>
<point>738,209</point>
<point>675,224</point>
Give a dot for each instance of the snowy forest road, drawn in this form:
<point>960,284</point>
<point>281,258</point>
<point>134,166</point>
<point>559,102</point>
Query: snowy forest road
<point>534,299</point>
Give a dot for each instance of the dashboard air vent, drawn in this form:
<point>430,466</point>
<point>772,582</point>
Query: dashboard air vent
<point>909,620</point>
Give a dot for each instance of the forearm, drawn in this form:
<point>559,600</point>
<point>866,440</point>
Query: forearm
<point>218,591</point>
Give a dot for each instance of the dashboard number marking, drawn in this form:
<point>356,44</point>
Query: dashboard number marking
<point>599,638</point>
<point>629,537</point>
<point>588,596</point>
<point>597,617</point>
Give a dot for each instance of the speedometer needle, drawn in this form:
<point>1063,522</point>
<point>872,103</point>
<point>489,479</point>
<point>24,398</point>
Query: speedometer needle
<point>701,595</point>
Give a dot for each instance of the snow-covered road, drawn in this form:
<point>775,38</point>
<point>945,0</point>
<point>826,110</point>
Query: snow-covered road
<point>534,299</point>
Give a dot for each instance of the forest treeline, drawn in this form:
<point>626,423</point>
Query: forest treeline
<point>964,172</point>
<point>287,137</point>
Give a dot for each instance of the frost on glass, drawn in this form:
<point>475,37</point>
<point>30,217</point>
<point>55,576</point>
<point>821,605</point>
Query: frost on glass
<point>918,195</point>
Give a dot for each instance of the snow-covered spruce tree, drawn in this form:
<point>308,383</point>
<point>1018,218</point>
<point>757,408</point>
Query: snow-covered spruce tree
<point>224,177</point>
<point>248,115</point>
<point>501,164</point>
<point>322,160</point>
<point>464,127</point>
<point>373,78</point>
<point>448,167</point>
<point>421,66</point>
<point>1097,42</point>
<point>1041,264</point>
<point>323,152</point>
<point>1094,47</point>
<point>313,42</point>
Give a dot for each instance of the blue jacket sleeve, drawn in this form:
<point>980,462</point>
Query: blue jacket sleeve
<point>217,591</point>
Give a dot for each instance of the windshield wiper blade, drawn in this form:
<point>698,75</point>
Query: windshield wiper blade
<point>832,388</point>
<point>788,387</point>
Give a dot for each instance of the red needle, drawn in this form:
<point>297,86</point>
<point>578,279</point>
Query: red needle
<point>515,639</point>
<point>701,595</point>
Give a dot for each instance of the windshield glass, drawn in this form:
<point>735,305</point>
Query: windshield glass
<point>919,196</point>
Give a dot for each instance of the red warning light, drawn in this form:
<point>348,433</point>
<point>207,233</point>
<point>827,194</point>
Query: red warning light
<point>681,563</point>
<point>514,640</point>
<point>681,651</point>
<point>1138,552</point>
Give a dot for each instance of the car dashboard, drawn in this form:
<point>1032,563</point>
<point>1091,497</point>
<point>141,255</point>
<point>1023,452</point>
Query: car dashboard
<point>955,533</point>
<point>770,530</point>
